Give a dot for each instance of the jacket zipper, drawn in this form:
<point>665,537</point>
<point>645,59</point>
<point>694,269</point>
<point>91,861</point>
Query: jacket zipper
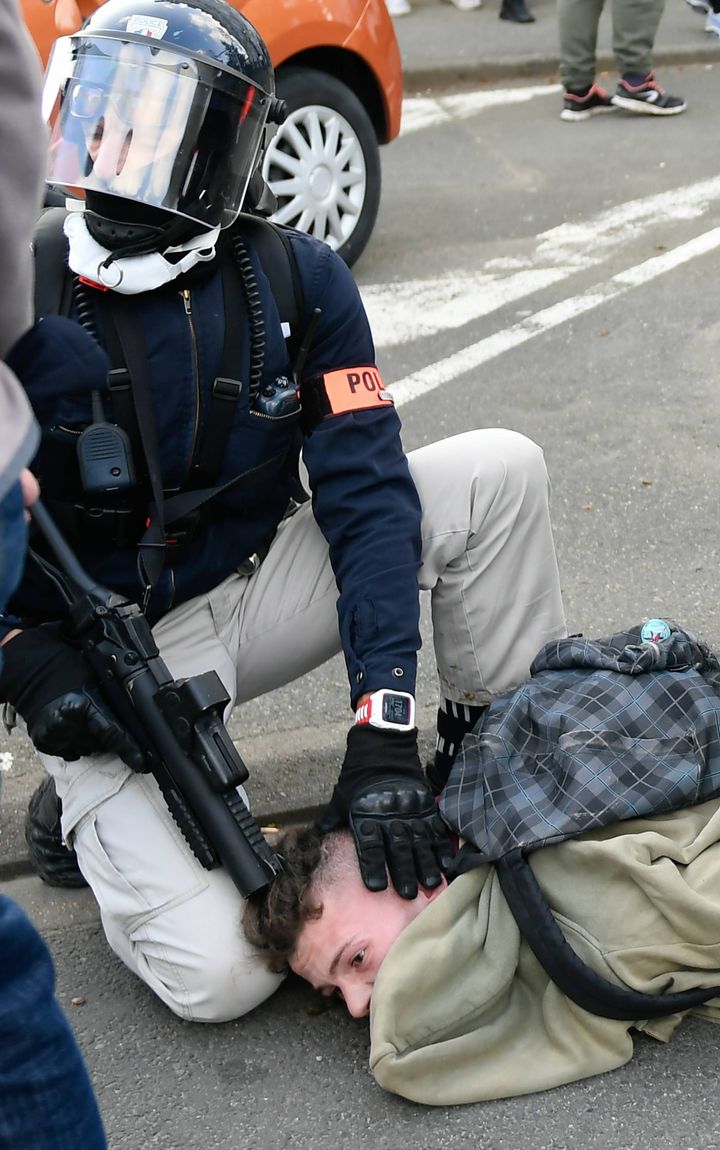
<point>187,304</point>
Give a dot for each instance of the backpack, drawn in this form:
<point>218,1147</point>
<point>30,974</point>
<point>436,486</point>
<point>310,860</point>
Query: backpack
<point>603,731</point>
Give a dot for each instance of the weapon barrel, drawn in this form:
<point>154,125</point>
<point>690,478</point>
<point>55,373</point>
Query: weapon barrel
<point>120,647</point>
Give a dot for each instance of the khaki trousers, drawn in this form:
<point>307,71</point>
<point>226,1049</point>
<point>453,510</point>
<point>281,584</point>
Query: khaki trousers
<point>489,564</point>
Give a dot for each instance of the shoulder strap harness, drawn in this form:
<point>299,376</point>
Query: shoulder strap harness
<point>55,288</point>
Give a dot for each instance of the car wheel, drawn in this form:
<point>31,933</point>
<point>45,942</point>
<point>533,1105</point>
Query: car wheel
<point>323,163</point>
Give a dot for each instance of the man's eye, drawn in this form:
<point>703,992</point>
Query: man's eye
<point>359,958</point>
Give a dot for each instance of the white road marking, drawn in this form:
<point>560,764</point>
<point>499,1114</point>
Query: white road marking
<point>401,312</point>
<point>445,370</point>
<point>425,112</point>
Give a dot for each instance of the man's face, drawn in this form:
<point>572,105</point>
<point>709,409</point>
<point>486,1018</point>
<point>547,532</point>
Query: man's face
<point>119,114</point>
<point>134,109</point>
<point>342,951</point>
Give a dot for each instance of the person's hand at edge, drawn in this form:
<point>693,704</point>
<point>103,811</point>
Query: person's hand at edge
<point>30,490</point>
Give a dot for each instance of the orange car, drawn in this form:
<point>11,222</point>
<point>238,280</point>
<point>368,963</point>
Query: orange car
<point>338,69</point>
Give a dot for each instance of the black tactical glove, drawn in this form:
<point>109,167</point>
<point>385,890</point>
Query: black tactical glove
<point>383,796</point>
<point>53,688</point>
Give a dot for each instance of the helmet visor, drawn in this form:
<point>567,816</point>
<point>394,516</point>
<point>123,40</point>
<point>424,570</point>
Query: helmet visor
<point>142,122</point>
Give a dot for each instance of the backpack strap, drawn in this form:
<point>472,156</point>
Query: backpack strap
<point>578,981</point>
<point>53,278</point>
<point>153,544</point>
<point>227,388</point>
<point>241,297</point>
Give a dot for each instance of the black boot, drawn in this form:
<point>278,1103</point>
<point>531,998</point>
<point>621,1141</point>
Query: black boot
<point>516,11</point>
<point>52,860</point>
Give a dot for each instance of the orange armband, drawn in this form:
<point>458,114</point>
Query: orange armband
<point>343,390</point>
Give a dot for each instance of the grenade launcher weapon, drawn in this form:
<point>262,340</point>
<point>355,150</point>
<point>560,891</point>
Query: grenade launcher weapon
<point>177,722</point>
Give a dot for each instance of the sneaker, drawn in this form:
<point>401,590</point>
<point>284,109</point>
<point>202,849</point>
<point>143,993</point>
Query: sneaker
<point>581,105</point>
<point>398,7</point>
<point>699,5</point>
<point>466,5</point>
<point>647,97</point>
<point>712,24</point>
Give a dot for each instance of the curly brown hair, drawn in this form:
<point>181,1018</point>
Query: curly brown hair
<point>274,917</point>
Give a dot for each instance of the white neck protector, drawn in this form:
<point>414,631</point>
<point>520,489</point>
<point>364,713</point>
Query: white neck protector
<point>130,275</point>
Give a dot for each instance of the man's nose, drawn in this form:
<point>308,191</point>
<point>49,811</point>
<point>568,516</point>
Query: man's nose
<point>357,1000</point>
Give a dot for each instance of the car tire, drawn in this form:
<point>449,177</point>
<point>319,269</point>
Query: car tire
<point>323,163</point>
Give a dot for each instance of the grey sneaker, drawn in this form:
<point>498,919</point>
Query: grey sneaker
<point>646,97</point>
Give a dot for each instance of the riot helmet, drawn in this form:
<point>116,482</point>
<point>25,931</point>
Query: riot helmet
<point>160,106</point>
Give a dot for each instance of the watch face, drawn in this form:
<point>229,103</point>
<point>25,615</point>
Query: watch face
<point>396,709</point>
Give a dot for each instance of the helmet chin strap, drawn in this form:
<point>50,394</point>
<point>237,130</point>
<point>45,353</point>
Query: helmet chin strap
<point>136,265</point>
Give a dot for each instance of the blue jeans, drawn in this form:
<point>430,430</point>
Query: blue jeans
<point>46,1100</point>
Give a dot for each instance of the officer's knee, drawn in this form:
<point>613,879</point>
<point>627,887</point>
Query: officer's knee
<point>209,987</point>
<point>194,955</point>
<point>505,465</point>
<point>513,466</point>
<point>484,454</point>
<point>521,456</point>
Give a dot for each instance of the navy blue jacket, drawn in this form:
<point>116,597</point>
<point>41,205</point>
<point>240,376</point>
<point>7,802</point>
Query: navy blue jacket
<point>363,497</point>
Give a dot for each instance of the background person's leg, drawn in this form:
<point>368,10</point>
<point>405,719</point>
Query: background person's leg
<point>46,1100</point>
<point>578,28</point>
<point>635,25</point>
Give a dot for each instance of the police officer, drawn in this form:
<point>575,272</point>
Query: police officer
<point>157,112</point>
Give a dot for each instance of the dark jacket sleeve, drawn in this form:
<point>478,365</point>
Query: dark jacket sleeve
<point>364,500</point>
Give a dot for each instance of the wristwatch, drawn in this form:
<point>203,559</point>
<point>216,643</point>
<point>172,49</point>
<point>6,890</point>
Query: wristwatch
<point>389,710</point>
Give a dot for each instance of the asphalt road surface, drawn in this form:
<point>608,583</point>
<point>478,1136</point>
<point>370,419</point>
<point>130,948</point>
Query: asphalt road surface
<point>560,279</point>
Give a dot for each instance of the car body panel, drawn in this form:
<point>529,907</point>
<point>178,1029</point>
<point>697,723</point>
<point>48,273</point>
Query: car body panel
<point>331,35</point>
